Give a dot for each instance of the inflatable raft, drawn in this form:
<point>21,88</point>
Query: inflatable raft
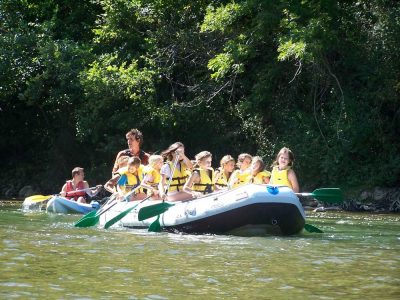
<point>247,210</point>
<point>58,204</point>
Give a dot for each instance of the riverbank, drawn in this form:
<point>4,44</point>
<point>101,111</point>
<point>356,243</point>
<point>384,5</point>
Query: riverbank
<point>377,199</point>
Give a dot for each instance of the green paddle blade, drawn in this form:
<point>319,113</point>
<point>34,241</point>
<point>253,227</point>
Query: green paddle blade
<point>312,228</point>
<point>123,214</point>
<point>329,195</point>
<point>119,217</point>
<point>93,217</point>
<point>81,222</point>
<point>153,210</point>
<point>155,226</point>
<point>88,222</point>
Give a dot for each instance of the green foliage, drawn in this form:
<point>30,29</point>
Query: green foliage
<point>320,77</point>
<point>221,18</point>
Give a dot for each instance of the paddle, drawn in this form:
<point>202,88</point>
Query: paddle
<point>92,219</point>
<point>153,210</point>
<point>157,209</point>
<point>312,228</point>
<point>329,195</point>
<point>41,198</point>
<point>123,214</point>
<point>155,226</point>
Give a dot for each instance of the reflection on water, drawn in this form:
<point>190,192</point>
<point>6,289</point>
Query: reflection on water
<point>44,255</point>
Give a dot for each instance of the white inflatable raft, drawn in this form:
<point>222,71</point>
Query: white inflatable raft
<point>250,209</point>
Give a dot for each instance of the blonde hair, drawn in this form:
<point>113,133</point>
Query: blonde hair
<point>225,160</point>
<point>288,152</point>
<point>202,155</point>
<point>123,161</point>
<point>242,157</point>
<point>154,159</point>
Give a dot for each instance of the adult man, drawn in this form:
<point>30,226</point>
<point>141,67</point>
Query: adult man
<point>134,138</point>
<point>77,188</point>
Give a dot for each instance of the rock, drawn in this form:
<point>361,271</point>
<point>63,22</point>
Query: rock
<point>395,206</point>
<point>308,201</point>
<point>9,192</point>
<point>380,194</point>
<point>365,195</point>
<point>367,208</point>
<point>26,191</point>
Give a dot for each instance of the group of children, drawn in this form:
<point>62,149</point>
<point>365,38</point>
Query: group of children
<point>173,176</point>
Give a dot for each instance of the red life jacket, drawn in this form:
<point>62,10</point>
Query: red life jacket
<point>71,194</point>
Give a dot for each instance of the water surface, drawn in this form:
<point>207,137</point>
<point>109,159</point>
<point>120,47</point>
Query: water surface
<point>45,256</point>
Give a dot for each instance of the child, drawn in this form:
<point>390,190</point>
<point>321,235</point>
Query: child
<point>258,173</point>
<point>178,164</point>
<point>242,175</point>
<point>224,172</point>
<point>201,180</point>
<point>282,173</point>
<point>152,176</point>
<point>127,179</point>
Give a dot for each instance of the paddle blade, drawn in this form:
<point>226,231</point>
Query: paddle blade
<point>329,195</point>
<point>155,226</point>
<point>153,210</point>
<point>87,216</point>
<point>87,222</point>
<point>312,228</point>
<point>37,198</point>
<point>119,217</point>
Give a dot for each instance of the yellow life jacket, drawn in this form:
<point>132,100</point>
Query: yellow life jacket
<point>259,178</point>
<point>280,177</point>
<point>222,180</point>
<point>205,185</point>
<point>129,181</point>
<point>242,177</point>
<point>154,174</point>
<point>181,174</point>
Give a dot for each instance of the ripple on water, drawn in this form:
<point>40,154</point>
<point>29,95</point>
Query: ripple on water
<point>15,284</point>
<point>155,297</point>
<point>356,258</point>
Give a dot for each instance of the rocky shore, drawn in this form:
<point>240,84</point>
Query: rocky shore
<point>377,199</point>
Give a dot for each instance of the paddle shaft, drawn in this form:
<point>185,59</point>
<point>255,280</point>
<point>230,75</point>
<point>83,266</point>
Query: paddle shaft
<point>68,194</point>
<point>41,198</point>
<point>99,213</point>
<point>330,195</point>
<point>172,174</point>
<point>123,214</point>
<point>115,202</point>
<point>305,194</point>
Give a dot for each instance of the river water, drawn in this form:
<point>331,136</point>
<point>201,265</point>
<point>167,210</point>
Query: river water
<point>44,256</point>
